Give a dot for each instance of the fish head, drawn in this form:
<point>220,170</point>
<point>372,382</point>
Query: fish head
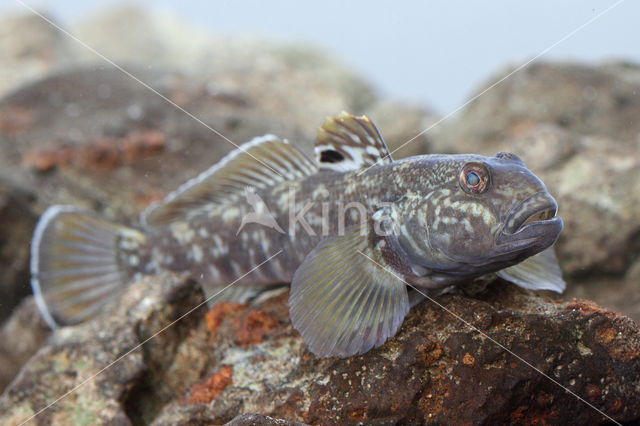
<point>488,213</point>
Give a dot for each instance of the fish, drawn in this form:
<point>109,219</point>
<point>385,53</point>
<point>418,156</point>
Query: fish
<point>353,231</point>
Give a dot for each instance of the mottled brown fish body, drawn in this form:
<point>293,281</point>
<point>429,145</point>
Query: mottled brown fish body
<point>349,231</point>
<point>419,187</point>
<point>211,249</point>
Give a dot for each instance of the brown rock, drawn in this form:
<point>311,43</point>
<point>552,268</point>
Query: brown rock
<point>100,154</point>
<point>30,48</point>
<point>18,217</point>
<point>301,83</point>
<point>436,369</point>
<point>598,101</point>
<point>65,362</point>
<point>14,120</point>
<point>261,420</point>
<point>21,336</point>
<point>211,388</point>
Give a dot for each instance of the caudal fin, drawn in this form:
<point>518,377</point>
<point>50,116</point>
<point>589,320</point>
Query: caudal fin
<point>75,267</point>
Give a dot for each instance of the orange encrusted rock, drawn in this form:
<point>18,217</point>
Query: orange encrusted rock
<point>212,387</point>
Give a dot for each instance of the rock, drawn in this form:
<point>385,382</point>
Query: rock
<point>598,195</point>
<point>21,336</point>
<point>601,101</point>
<point>213,366</point>
<point>298,82</point>
<point>30,48</point>
<point>621,292</point>
<point>259,419</point>
<point>66,360</point>
<point>18,219</point>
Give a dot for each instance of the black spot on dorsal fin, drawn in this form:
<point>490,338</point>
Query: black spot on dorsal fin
<point>331,156</point>
<point>346,142</point>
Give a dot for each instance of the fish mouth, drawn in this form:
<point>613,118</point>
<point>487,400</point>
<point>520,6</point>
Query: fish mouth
<point>532,223</point>
<point>535,214</point>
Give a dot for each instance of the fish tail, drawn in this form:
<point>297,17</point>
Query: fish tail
<point>75,263</point>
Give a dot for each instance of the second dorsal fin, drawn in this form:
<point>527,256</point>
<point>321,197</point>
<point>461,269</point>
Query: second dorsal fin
<point>346,143</point>
<point>262,162</point>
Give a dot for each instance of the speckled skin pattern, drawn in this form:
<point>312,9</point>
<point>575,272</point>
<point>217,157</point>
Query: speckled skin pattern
<point>442,234</point>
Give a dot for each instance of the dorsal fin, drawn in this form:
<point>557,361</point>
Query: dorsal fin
<point>259,163</point>
<point>346,143</point>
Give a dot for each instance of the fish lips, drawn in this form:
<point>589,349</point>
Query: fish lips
<point>536,235</point>
<point>532,225</point>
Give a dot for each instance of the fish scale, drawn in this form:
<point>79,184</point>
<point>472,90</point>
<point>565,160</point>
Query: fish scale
<point>350,228</point>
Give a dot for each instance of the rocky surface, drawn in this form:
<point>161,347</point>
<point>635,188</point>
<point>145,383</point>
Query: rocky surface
<point>16,209</point>
<point>76,130</point>
<point>212,366</point>
<point>601,101</point>
<point>21,336</point>
<point>31,48</point>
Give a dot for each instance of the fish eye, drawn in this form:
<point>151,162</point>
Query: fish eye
<point>474,178</point>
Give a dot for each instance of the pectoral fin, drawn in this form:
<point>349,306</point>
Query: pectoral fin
<point>539,272</point>
<point>341,301</point>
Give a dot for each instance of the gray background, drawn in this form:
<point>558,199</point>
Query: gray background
<point>432,53</point>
